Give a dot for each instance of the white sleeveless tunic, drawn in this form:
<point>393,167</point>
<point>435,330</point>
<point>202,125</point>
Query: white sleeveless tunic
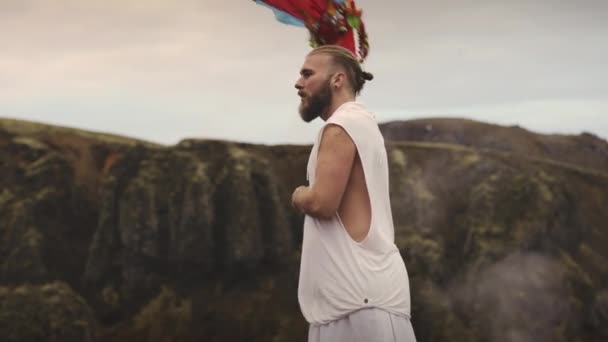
<point>337,274</point>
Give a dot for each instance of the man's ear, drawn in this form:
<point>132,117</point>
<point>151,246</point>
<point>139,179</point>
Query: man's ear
<point>338,80</point>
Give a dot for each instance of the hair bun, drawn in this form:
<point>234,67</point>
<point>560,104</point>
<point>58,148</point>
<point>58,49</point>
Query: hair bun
<point>367,76</point>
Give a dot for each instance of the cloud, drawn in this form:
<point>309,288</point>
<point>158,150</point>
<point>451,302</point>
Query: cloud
<point>208,57</point>
<point>73,45</point>
<point>461,55</point>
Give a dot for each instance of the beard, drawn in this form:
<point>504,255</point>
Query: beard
<point>316,104</point>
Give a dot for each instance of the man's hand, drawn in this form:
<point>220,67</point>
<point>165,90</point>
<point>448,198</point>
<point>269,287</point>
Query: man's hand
<point>297,198</point>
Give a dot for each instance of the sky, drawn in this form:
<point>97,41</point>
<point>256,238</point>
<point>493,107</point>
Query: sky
<point>164,70</point>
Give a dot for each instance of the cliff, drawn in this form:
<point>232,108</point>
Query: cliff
<point>105,238</point>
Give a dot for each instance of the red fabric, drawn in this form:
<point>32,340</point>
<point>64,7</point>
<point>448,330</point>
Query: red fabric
<point>300,8</point>
<point>310,12</point>
<point>346,40</point>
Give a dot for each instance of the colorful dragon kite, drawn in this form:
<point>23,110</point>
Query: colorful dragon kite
<point>328,21</point>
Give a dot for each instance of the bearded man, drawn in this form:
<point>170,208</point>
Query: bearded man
<point>353,283</point>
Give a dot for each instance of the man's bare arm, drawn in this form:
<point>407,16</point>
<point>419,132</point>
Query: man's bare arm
<point>334,164</point>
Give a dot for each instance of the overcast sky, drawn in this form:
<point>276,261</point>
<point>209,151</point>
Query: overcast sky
<point>166,70</point>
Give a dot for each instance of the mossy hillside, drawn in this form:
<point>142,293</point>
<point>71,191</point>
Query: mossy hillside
<point>198,240</point>
<point>51,312</point>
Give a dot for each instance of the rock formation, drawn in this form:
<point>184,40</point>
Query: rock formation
<point>105,238</point>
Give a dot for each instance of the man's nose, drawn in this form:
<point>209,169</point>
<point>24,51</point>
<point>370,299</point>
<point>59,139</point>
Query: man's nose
<point>298,84</point>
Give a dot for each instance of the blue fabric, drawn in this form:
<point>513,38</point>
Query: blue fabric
<point>283,17</point>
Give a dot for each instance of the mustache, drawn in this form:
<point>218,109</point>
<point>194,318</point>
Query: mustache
<point>301,93</point>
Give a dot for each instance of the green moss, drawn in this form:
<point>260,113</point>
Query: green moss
<point>111,297</point>
<point>6,196</point>
<point>398,158</point>
<point>166,317</point>
<point>30,143</point>
<point>52,312</point>
<point>423,256</point>
<point>434,318</point>
<point>593,259</point>
<point>416,183</point>
<point>470,159</point>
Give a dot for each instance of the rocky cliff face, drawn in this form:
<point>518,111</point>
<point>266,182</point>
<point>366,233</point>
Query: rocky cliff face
<point>105,238</point>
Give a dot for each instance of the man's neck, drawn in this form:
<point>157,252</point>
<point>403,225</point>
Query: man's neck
<point>337,101</point>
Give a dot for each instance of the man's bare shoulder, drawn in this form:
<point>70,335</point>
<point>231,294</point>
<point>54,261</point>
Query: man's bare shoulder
<point>336,134</point>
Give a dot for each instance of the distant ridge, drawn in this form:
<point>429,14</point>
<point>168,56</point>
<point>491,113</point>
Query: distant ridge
<point>585,150</point>
<point>41,130</point>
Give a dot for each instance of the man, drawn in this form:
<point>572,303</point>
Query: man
<point>353,283</point>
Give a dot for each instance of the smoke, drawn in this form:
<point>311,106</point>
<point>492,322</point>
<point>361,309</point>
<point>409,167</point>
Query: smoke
<point>521,298</point>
